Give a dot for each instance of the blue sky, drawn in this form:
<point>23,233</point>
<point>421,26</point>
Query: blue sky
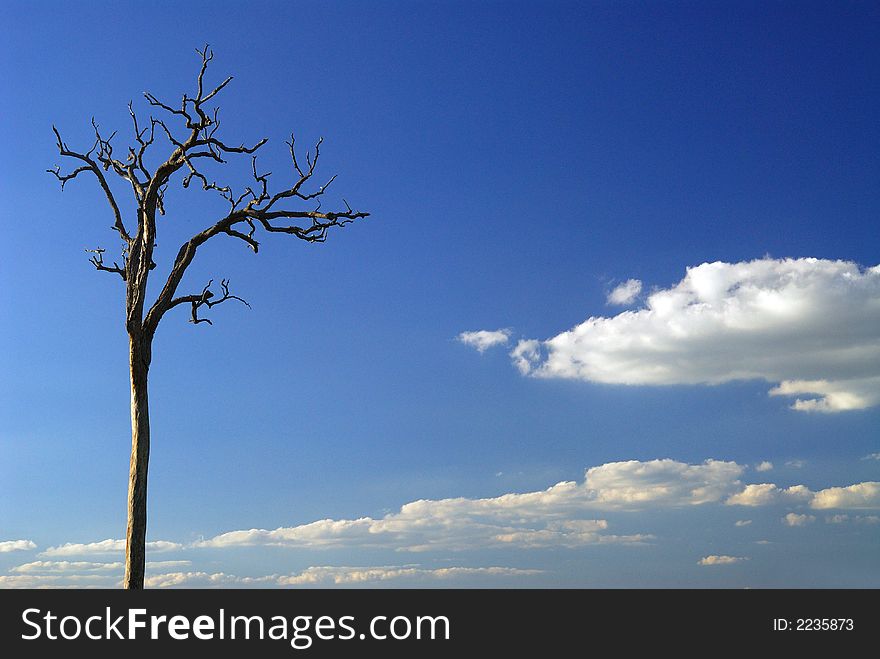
<point>520,161</point>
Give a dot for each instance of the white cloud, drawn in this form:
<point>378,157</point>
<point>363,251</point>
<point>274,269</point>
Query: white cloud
<point>625,293</point>
<point>108,546</point>
<point>859,495</point>
<point>662,481</point>
<point>743,522</point>
<point>16,545</point>
<point>765,494</point>
<point>872,456</point>
<point>554,517</point>
<point>837,519</point>
<point>796,464</point>
<point>80,567</point>
<point>810,326</point>
<point>721,560</point>
<point>525,354</point>
<point>764,466</point>
<point>795,519</point>
<point>45,567</point>
<point>447,525</point>
<point>482,340</point>
<point>94,577</point>
<point>58,581</point>
<point>197,579</point>
<point>357,575</point>
<point>557,516</point>
<point>830,396</point>
<point>333,576</point>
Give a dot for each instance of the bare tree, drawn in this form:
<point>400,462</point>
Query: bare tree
<point>253,208</point>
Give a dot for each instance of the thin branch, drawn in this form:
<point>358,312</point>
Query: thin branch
<point>214,142</point>
<point>152,100</point>
<point>216,89</point>
<point>143,143</point>
<point>206,299</point>
<point>97,259</point>
<point>92,166</point>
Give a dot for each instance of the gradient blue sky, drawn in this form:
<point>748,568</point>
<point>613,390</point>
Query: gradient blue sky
<point>519,160</point>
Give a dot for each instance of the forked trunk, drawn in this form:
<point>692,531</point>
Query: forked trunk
<point>136,533</point>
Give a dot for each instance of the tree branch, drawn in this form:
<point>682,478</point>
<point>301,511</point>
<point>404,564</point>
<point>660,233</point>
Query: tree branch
<point>90,166</point>
<point>206,299</point>
<point>241,223</point>
<point>97,259</point>
<point>255,207</point>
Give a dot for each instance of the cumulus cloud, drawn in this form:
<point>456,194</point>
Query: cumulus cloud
<point>743,522</point>
<point>662,481</point>
<point>796,519</point>
<point>625,293</point>
<point>796,464</point>
<point>555,517</point>
<point>482,340</point>
<point>108,546</point>
<point>810,326</point>
<point>16,545</point>
<point>449,524</point>
<point>764,466</point>
<point>859,495</point>
<point>872,456</point>
<point>721,560</point>
<point>765,494</point>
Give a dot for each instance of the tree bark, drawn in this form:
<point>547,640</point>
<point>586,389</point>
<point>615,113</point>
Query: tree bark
<point>136,532</point>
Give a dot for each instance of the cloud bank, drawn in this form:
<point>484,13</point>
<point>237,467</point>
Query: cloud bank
<point>558,517</point>
<point>809,326</point>
<point>567,515</point>
<point>555,517</point>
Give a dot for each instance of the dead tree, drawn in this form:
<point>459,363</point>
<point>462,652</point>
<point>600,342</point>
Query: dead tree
<point>191,131</point>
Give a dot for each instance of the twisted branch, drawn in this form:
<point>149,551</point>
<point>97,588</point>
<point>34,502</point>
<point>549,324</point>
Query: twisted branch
<point>206,299</point>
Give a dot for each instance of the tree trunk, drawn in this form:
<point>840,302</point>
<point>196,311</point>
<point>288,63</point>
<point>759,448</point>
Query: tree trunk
<point>136,532</point>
